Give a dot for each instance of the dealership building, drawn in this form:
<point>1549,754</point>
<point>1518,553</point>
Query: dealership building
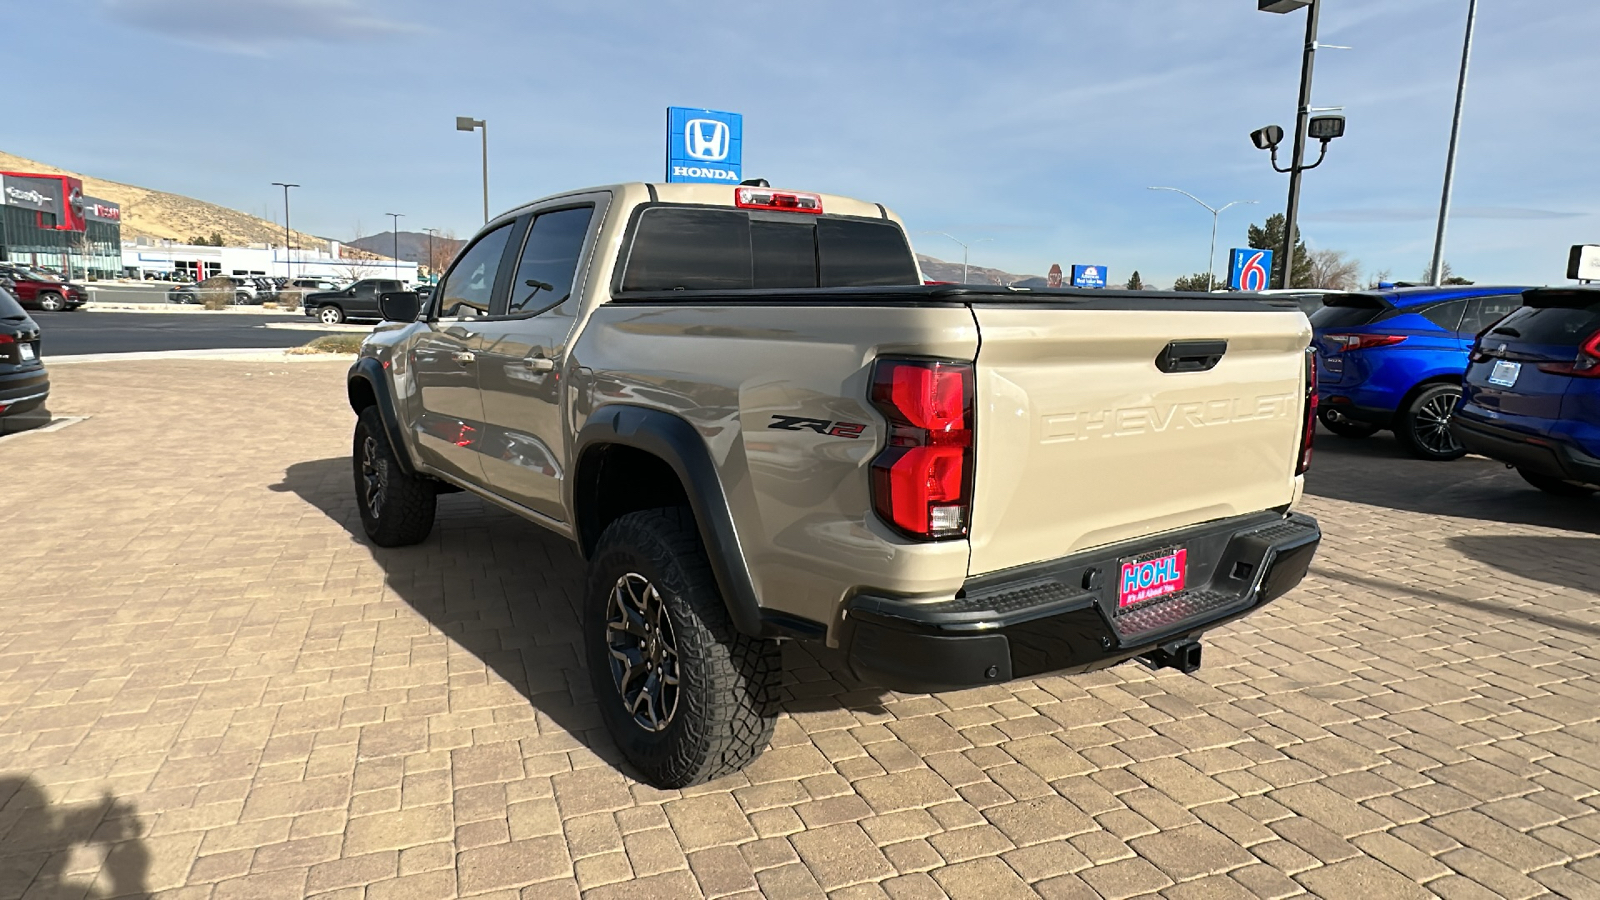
<point>45,220</point>
<point>144,258</point>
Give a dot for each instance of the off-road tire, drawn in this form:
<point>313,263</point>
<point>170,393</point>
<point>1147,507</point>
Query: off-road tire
<point>1346,428</point>
<point>726,697</point>
<point>51,301</point>
<point>1418,427</point>
<point>1555,486</point>
<point>330,315</point>
<point>404,514</point>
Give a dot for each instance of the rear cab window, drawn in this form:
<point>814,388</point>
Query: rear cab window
<point>687,248</point>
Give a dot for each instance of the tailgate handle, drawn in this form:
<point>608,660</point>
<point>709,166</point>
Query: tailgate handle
<point>1191,356</point>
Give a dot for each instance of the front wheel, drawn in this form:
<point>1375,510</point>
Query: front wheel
<point>1555,486</point>
<point>1424,427</point>
<point>330,315</point>
<point>1345,427</point>
<point>52,302</point>
<point>396,509</point>
<point>685,695</point>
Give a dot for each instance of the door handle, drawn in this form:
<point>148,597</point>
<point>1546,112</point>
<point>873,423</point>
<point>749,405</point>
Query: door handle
<point>539,364</point>
<point>465,356</point>
<point>1191,356</point>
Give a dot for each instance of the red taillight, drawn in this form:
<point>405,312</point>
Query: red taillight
<point>922,481</point>
<point>7,339</point>
<point>1587,365</point>
<point>1309,429</point>
<point>1344,343</point>
<point>767,198</point>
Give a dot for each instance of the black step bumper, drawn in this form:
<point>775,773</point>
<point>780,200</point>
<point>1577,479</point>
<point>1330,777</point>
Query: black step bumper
<point>1061,616</point>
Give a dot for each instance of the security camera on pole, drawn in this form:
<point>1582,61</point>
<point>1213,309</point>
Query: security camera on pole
<point>1323,128</point>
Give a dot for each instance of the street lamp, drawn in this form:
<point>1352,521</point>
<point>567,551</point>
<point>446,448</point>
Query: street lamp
<point>468,123</point>
<point>963,249</point>
<point>432,233</point>
<point>1436,271</point>
<point>1325,128</point>
<point>1211,260</point>
<point>288,257</point>
<point>395,217</point>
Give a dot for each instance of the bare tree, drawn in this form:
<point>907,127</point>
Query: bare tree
<point>1332,270</point>
<point>442,251</point>
<point>1379,277</point>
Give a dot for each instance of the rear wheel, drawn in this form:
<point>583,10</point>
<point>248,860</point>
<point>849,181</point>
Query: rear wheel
<point>241,299</point>
<point>1555,486</point>
<point>1424,426</point>
<point>52,302</point>
<point>1345,427</point>
<point>396,509</point>
<point>330,315</point>
<point>685,695</point>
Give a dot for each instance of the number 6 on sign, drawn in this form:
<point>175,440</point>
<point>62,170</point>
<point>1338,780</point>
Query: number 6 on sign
<point>1249,268</point>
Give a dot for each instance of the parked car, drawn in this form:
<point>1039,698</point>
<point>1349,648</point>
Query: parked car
<point>244,291</point>
<point>757,423</point>
<point>358,301</point>
<point>1393,359</point>
<point>24,384</point>
<point>1531,396</point>
<point>38,289</point>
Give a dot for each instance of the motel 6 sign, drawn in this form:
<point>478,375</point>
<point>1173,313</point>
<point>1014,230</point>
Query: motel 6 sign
<point>1249,269</point>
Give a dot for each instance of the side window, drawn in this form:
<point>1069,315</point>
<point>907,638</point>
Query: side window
<point>549,260</point>
<point>1446,315</point>
<point>1485,311</point>
<point>469,287</point>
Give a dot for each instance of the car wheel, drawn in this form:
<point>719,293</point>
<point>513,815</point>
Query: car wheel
<point>241,299</point>
<point>396,509</point>
<point>1424,427</point>
<point>330,315</point>
<point>1345,427</point>
<point>1555,486</point>
<point>52,302</point>
<point>685,695</point>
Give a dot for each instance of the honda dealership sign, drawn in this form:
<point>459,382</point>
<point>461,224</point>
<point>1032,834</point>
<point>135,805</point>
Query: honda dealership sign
<point>704,145</point>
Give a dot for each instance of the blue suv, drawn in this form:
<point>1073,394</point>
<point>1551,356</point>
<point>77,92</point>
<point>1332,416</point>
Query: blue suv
<point>1393,358</point>
<point>1532,393</point>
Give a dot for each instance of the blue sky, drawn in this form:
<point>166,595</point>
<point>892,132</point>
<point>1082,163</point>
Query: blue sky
<point>1035,124</point>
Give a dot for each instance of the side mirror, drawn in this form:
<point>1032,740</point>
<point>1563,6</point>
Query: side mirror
<point>399,306</point>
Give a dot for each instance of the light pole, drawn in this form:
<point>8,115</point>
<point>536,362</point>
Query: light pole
<point>1436,271</point>
<point>963,249</point>
<point>1211,260</point>
<point>395,217</point>
<point>288,257</point>
<point>468,123</point>
<point>432,233</point>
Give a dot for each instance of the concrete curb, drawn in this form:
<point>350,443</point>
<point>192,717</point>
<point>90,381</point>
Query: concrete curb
<point>244,354</point>
<point>183,309</point>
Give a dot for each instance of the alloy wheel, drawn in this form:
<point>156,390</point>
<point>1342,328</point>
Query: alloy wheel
<point>644,653</point>
<point>374,477</point>
<point>329,315</point>
<point>1432,425</point>
<point>51,302</point>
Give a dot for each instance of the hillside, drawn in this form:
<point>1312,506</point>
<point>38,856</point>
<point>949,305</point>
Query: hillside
<point>158,214</point>
<point>413,246</point>
<point>935,269</point>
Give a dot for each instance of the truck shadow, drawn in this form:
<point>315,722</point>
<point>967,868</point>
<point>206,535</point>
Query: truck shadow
<point>40,840</point>
<point>1376,471</point>
<point>509,593</point>
<point>1572,562</point>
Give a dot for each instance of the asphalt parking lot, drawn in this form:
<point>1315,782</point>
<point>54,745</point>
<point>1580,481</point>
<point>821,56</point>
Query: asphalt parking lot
<point>83,332</point>
<point>211,687</point>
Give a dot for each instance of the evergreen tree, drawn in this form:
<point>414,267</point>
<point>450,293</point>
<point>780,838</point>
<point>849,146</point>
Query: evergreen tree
<point>1270,237</point>
<point>1135,283</point>
<point>1195,282</point>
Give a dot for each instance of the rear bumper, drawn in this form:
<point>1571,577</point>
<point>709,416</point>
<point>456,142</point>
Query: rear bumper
<point>23,391</point>
<point>1061,616</point>
<point>1539,454</point>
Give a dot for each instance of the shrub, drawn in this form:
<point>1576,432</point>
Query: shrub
<point>332,343</point>
<point>217,292</point>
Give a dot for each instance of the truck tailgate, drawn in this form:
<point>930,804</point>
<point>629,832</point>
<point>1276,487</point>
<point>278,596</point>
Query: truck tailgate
<point>1084,441</point>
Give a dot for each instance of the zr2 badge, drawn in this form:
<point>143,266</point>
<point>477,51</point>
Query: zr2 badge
<point>820,426</point>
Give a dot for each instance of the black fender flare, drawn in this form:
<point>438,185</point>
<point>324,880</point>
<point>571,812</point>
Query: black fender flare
<point>370,374</point>
<point>676,442</point>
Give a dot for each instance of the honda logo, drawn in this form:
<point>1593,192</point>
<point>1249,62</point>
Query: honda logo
<point>706,139</point>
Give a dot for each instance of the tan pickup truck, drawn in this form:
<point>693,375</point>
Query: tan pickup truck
<point>758,424</point>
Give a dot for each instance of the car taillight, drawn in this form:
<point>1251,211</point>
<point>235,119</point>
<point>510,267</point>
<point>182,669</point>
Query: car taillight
<point>1587,364</point>
<point>1344,343</point>
<point>1309,427</point>
<point>7,339</point>
<point>786,201</point>
<point>922,481</point>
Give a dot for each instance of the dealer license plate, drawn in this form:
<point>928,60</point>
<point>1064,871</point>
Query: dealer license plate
<point>1504,373</point>
<point>1152,575</point>
<point>27,351</point>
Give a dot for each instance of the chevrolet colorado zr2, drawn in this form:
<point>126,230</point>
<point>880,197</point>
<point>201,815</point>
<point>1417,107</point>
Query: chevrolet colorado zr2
<point>757,424</point>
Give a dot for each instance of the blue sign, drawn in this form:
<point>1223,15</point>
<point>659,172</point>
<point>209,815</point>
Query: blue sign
<point>1250,269</point>
<point>704,146</point>
<point>1089,276</point>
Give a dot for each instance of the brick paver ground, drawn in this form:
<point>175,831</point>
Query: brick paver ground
<point>210,688</point>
